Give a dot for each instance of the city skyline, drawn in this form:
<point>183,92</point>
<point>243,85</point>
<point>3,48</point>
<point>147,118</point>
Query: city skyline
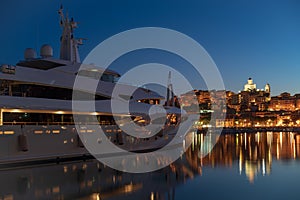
<point>245,39</point>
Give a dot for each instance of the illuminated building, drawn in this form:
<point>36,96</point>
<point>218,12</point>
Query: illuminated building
<point>283,102</point>
<point>249,85</point>
<point>297,101</point>
<point>251,107</point>
<point>268,90</point>
<point>251,98</point>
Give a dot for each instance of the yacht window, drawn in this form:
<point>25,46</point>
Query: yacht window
<point>15,88</point>
<point>15,118</point>
<point>9,132</point>
<point>109,78</point>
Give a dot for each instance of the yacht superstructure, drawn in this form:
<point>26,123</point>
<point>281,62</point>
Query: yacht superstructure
<point>36,117</point>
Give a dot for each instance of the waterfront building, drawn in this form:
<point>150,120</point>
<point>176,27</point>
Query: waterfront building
<point>203,96</point>
<point>188,99</point>
<point>283,102</point>
<point>297,101</point>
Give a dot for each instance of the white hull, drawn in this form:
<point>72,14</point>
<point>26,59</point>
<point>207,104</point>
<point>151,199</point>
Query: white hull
<point>55,142</point>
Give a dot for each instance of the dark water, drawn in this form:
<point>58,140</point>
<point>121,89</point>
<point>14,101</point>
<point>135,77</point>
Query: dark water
<point>241,166</point>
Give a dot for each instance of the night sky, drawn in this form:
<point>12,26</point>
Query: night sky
<point>258,39</point>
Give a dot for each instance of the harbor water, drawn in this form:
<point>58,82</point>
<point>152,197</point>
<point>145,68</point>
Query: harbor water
<point>261,165</point>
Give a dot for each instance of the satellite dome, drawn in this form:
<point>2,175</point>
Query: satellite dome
<point>29,54</point>
<point>46,51</point>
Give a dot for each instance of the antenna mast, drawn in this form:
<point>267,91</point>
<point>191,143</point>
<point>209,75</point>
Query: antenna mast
<point>68,44</point>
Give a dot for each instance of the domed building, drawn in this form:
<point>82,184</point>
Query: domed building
<point>250,86</point>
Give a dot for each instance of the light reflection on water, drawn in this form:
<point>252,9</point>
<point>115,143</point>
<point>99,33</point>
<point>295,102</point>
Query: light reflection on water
<point>241,166</point>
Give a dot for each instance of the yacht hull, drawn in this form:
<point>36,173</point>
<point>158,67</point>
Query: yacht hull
<point>36,144</point>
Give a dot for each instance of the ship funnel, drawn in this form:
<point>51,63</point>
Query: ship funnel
<point>46,51</point>
<point>29,54</point>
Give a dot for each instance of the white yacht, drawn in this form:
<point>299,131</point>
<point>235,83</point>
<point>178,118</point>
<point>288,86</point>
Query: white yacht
<point>36,117</point>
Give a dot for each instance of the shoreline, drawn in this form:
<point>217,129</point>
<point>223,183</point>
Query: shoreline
<point>251,129</point>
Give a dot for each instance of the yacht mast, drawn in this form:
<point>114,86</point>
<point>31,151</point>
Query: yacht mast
<point>170,94</point>
<point>68,44</point>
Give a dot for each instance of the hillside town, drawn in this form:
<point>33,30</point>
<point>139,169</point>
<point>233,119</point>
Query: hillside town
<point>251,107</point>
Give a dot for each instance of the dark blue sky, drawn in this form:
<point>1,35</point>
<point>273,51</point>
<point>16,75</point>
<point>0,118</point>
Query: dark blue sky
<point>258,39</point>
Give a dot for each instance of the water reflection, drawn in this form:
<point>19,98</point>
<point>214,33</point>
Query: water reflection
<point>89,180</point>
<point>250,155</point>
<point>253,151</point>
